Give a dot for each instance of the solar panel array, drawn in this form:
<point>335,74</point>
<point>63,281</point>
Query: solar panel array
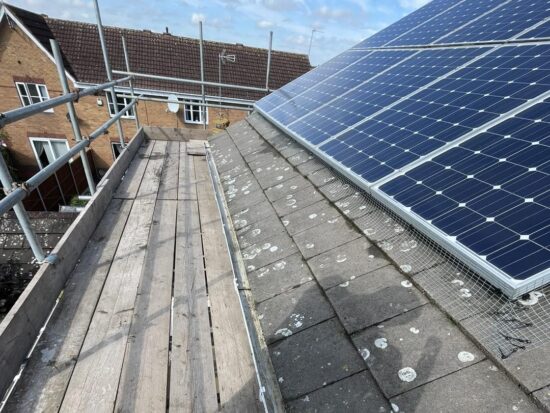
<point>444,117</point>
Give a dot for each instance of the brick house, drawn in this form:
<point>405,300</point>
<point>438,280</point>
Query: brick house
<point>28,74</point>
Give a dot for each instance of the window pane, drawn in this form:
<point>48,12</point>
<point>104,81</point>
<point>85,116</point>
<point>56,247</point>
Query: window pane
<point>121,102</point>
<point>43,153</point>
<point>33,90</point>
<point>117,149</point>
<point>43,92</point>
<point>196,115</point>
<point>21,89</point>
<point>59,148</point>
<point>110,104</point>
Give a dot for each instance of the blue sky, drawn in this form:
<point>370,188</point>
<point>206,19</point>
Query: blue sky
<point>341,23</point>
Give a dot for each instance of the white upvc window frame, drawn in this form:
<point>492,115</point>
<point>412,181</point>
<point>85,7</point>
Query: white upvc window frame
<point>190,109</point>
<point>49,142</point>
<point>27,98</point>
<point>130,113</point>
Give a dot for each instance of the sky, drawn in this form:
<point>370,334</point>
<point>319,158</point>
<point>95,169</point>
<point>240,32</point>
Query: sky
<point>339,24</point>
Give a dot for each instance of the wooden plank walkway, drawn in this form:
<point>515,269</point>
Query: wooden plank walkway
<point>150,319</point>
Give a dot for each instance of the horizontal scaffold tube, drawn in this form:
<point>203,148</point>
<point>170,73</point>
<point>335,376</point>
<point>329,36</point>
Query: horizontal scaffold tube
<point>26,111</point>
<point>32,183</point>
<point>191,81</point>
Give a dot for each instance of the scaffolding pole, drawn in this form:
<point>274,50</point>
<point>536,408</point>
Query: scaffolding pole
<point>204,108</point>
<point>109,72</point>
<point>268,60</point>
<point>208,105</point>
<point>21,213</point>
<point>26,111</point>
<point>127,61</point>
<point>191,81</point>
<point>72,114</point>
<point>22,191</point>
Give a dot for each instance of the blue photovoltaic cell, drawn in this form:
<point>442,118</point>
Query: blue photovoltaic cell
<point>502,24</point>
<point>407,23</point>
<point>336,85</point>
<point>377,93</point>
<point>310,79</point>
<point>473,96</point>
<point>446,22</point>
<point>491,194</point>
<point>540,32</point>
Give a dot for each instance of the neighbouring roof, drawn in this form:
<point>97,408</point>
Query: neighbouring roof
<point>17,263</point>
<point>161,54</point>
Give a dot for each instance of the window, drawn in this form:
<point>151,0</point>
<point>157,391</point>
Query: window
<point>48,150</point>
<point>30,93</point>
<point>192,112</point>
<point>121,103</point>
<point>117,149</point>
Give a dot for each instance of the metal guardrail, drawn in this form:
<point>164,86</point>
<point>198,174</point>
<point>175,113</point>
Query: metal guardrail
<point>191,81</point>
<point>16,193</point>
<point>26,111</point>
<point>21,191</point>
<point>248,107</point>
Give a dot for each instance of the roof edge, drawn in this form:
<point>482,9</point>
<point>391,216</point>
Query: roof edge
<point>5,11</point>
<point>128,29</point>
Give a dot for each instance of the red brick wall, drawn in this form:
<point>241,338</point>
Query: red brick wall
<point>21,58</point>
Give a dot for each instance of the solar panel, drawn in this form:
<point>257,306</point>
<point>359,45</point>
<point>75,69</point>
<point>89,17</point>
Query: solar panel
<point>346,79</point>
<point>490,195</point>
<point>446,22</point>
<point>312,78</point>
<point>541,32</point>
<point>510,20</point>
<point>451,134</point>
<point>408,23</point>
<point>334,116</point>
<point>443,112</point>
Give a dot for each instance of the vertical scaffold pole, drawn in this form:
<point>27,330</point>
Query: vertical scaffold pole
<point>269,60</point>
<point>127,61</point>
<point>72,114</point>
<point>109,71</point>
<point>21,213</point>
<point>204,109</point>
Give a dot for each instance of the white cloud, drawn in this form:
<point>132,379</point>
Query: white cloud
<point>331,13</point>
<point>198,17</point>
<point>226,22</point>
<point>362,4</point>
<point>298,40</point>
<point>265,24</point>
<point>284,4</point>
<point>412,4</point>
